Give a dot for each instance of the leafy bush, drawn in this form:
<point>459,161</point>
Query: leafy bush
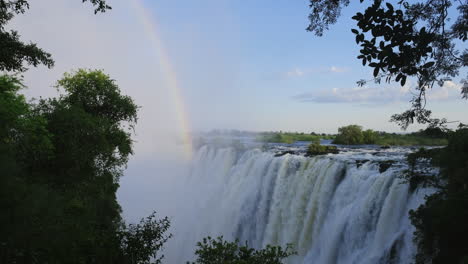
<point>353,135</point>
<point>349,135</point>
<point>369,136</point>
<point>290,137</point>
<point>216,251</point>
<point>142,242</point>
<point>440,222</point>
<point>317,149</point>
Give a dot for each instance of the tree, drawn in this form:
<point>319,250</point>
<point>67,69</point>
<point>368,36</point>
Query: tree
<point>13,52</point>
<point>142,242</point>
<point>369,136</point>
<point>415,40</point>
<point>410,40</point>
<point>215,251</point>
<point>60,164</point>
<point>349,135</point>
<point>94,122</point>
<point>440,222</point>
<point>23,204</point>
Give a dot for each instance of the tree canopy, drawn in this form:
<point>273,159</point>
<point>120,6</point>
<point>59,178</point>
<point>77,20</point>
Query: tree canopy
<point>60,164</point>
<point>440,222</point>
<point>349,135</point>
<point>423,40</point>
<point>215,251</point>
<point>406,40</point>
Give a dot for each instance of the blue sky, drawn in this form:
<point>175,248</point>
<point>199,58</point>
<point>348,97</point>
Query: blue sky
<point>258,66</point>
<point>248,65</point>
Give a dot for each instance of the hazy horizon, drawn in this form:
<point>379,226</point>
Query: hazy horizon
<point>245,66</point>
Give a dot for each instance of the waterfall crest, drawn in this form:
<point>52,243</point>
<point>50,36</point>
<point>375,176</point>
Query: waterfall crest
<point>328,207</point>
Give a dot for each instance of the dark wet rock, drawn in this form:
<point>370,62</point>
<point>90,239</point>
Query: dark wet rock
<point>385,147</point>
<point>282,153</point>
<point>384,165</point>
<point>360,162</point>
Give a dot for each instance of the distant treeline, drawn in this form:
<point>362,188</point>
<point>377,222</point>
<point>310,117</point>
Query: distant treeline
<point>355,135</point>
<point>291,137</point>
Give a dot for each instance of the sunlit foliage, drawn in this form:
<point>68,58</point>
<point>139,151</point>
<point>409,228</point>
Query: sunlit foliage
<point>405,40</point>
<point>215,251</point>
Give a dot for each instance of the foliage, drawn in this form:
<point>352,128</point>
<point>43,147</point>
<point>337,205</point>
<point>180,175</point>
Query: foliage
<point>349,135</point>
<point>411,139</point>
<point>408,40</point>
<point>440,222</point>
<point>291,137</point>
<point>141,242</point>
<point>60,163</point>
<point>215,251</point>
<point>94,122</point>
<point>369,136</point>
<point>316,149</point>
<point>13,52</point>
<point>415,40</point>
<point>354,135</point>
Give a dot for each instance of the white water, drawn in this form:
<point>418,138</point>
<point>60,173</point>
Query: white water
<point>332,211</point>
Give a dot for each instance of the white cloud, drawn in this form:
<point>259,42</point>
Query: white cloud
<point>338,69</point>
<point>450,90</point>
<point>379,95</point>
<point>301,72</point>
<point>295,73</point>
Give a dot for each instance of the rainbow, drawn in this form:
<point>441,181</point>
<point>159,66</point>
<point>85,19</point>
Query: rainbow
<point>153,34</point>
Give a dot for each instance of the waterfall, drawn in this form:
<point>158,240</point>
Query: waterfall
<point>328,207</point>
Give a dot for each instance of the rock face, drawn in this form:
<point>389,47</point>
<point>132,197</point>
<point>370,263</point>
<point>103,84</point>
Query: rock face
<point>317,149</point>
<point>282,153</point>
<point>360,162</point>
<point>384,165</point>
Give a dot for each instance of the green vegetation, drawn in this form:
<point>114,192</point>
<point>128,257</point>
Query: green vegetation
<point>349,135</point>
<point>441,222</point>
<point>354,135</point>
<point>413,139</point>
<point>369,136</point>
<point>61,158</point>
<point>216,251</point>
<point>415,39</point>
<point>422,40</point>
<point>13,52</point>
<point>316,149</point>
<point>291,137</point>
<point>60,162</point>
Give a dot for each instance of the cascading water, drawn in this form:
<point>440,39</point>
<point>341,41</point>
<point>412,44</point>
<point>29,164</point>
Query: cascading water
<point>331,208</point>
